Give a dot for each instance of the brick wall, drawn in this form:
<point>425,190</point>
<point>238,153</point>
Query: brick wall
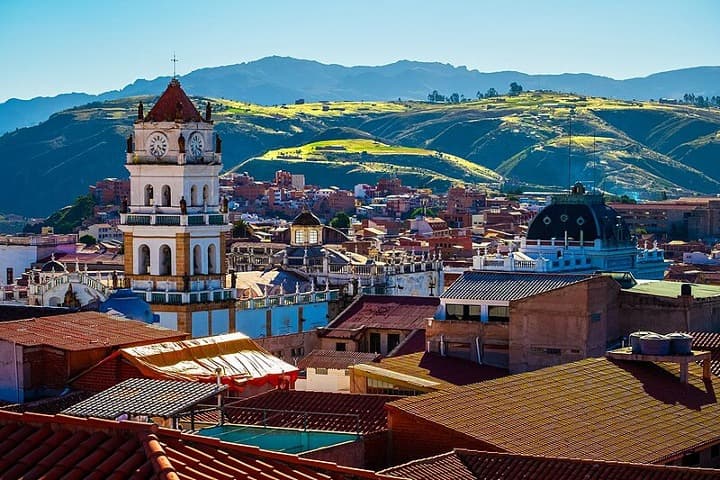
<point>412,437</point>
<point>106,375</point>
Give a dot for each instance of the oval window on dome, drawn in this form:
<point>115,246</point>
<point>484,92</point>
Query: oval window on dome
<point>564,217</point>
<point>580,221</point>
<point>547,220</point>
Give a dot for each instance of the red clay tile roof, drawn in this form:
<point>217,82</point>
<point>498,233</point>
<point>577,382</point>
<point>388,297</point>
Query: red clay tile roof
<point>447,371</point>
<point>463,464</point>
<point>334,359</point>
<point>36,445</point>
<point>173,105</point>
<point>594,408</point>
<point>380,311</point>
<point>84,331</point>
<point>339,412</point>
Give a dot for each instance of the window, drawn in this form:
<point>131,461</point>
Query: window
<point>340,347</point>
<point>374,342</point>
<point>144,260</point>
<point>498,314</point>
<point>347,372</point>
<point>384,388</point>
<point>595,317</point>
<point>313,237</point>
<point>393,340</point>
<point>299,237</point>
<point>715,451</point>
<point>165,260</point>
<point>9,276</point>
<point>298,352</point>
<point>321,371</point>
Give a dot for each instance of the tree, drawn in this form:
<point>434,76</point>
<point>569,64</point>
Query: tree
<point>479,95</point>
<point>88,240</point>
<point>341,221</point>
<point>240,229</point>
<point>455,98</point>
<point>491,93</point>
<point>515,88</point>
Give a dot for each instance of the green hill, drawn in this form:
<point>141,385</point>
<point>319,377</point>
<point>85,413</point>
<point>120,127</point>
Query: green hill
<point>639,149</point>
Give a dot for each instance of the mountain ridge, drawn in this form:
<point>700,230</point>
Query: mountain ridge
<point>276,80</point>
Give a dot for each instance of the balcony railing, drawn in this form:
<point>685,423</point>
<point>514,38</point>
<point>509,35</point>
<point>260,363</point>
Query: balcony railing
<point>181,298</point>
<point>173,220</point>
<point>288,299</point>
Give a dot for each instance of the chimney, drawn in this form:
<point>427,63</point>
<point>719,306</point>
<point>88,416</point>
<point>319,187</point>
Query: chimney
<point>686,290</point>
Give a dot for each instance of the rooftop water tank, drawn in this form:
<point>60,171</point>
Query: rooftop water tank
<point>654,344</point>
<point>635,341</point>
<point>680,343</point>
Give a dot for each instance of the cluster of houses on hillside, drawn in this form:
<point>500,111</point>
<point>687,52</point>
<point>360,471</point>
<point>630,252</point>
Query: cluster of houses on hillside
<point>390,349</point>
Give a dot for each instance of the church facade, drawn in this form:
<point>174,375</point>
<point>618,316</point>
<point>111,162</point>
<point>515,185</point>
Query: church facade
<point>175,222</point>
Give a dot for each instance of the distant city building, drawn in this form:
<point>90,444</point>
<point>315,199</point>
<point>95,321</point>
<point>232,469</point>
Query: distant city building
<point>577,232</point>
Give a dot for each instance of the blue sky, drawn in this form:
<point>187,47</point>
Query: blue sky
<point>50,47</point>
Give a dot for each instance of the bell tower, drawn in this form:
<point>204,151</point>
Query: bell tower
<point>175,222</point>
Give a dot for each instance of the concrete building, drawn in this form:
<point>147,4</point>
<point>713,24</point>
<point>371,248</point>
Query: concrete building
<point>579,233</point>
<point>524,321</point>
<point>36,361</point>
<point>328,370</point>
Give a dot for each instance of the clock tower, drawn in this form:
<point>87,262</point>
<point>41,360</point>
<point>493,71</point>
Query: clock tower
<point>175,222</point>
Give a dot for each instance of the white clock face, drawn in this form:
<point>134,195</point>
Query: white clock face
<point>196,145</point>
<point>158,145</point>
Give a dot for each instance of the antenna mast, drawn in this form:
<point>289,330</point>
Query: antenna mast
<point>569,149</point>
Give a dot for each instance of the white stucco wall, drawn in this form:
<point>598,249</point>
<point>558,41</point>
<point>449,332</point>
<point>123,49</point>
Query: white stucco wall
<point>334,381</point>
<point>11,372</point>
<point>17,257</point>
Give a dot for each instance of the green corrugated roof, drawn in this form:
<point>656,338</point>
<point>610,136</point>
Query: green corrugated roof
<point>663,288</point>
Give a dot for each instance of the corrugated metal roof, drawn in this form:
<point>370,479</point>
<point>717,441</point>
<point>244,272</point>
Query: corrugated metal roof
<point>594,408</point>
<point>507,286</point>
<point>144,396</point>
<point>83,331</point>
<point>463,464</point>
<point>383,311</point>
<point>334,359</point>
<point>338,412</point>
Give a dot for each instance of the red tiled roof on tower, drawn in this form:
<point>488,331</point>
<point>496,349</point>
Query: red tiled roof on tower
<point>173,105</point>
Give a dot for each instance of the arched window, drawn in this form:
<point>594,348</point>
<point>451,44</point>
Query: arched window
<point>148,195</point>
<point>143,260</point>
<point>197,260</point>
<point>212,261</point>
<point>165,196</point>
<point>194,196</point>
<point>206,195</point>
<point>165,260</point>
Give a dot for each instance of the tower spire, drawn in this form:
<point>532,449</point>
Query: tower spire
<point>174,61</point>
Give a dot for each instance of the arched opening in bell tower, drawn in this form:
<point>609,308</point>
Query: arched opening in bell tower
<point>197,260</point>
<point>212,260</point>
<point>148,195</point>
<point>165,260</point>
<point>144,260</point>
<point>165,196</point>
<point>194,196</point>
<point>206,195</point>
